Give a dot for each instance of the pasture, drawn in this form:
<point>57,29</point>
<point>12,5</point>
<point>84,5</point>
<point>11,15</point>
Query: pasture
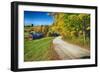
<point>39,50</point>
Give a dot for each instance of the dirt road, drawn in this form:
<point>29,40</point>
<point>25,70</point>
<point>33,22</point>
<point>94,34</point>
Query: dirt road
<point>66,50</point>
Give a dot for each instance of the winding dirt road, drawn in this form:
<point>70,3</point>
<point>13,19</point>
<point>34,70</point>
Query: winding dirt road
<point>66,50</point>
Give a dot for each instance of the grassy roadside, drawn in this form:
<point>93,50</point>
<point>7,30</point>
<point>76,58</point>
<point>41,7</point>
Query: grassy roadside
<point>39,50</point>
<point>78,41</point>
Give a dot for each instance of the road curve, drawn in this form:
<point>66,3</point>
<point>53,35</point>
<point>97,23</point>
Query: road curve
<point>66,50</point>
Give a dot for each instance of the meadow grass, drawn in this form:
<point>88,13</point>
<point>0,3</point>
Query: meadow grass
<point>39,50</point>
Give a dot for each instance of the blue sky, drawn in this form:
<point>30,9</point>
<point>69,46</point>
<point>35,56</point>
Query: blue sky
<point>37,18</point>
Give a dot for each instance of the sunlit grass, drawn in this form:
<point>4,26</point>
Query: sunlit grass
<point>38,50</point>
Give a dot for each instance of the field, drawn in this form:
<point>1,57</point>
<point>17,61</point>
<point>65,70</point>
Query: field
<point>39,50</point>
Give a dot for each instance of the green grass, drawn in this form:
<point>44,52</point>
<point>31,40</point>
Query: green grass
<point>37,50</point>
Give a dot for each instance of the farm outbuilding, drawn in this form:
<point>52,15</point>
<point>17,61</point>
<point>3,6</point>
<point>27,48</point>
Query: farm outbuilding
<point>36,35</point>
